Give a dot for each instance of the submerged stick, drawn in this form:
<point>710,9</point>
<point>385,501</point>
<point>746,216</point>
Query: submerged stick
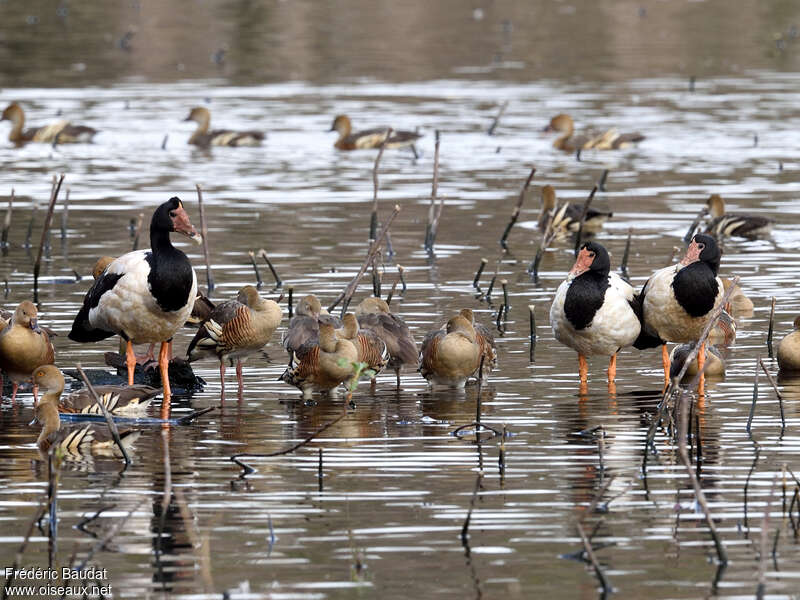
<point>586,204</point>
<point>259,281</point>
<point>777,393</point>
<point>112,426</point>
<point>204,233</point>
<point>771,329</point>
<point>504,283</point>
<point>263,254</point>
<point>533,333</point>
<point>373,221</point>
<point>45,229</point>
<point>690,233</point>
<point>517,208</point>
<point>477,279</point>
<point>497,118</point>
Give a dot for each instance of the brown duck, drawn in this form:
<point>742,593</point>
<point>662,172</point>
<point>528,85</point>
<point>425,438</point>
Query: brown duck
<point>724,224</point>
<point>450,356</point>
<point>485,340</point>
<point>569,142</point>
<point>567,217</point>
<point>304,325</point>
<point>374,315</point>
<point>128,400</point>
<point>60,132</point>
<point>789,350</point>
<point>370,138</point>
<point>371,348</point>
<point>236,329</point>
<point>24,346</point>
<point>219,137</point>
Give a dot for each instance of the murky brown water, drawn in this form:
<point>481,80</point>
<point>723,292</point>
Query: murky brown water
<point>396,484</point>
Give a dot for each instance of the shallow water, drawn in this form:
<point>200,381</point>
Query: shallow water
<point>385,518</point>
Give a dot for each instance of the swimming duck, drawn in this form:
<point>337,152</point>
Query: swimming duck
<point>714,365</point>
<point>609,140</point>
<point>593,311</point>
<point>304,325</point>
<point>678,300</point>
<point>568,216</point>
<point>93,438</point>
<point>24,346</point>
<point>144,296</point>
<point>724,224</point>
<point>321,364</point>
<point>789,350</point>
<point>234,330</point>
<point>128,400</point>
<point>373,315</point>
<point>219,137</point>
<point>450,356</point>
<point>371,348</point>
<point>371,138</point>
<point>61,132</point>
<point>485,340</point>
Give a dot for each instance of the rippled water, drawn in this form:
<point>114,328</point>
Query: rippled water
<point>384,520</point>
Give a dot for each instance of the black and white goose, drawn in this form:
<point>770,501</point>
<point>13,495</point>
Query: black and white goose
<point>593,310</point>
<point>144,296</point>
<point>724,224</point>
<point>678,300</point>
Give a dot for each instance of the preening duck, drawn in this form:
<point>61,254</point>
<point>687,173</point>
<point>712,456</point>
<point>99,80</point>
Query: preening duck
<point>789,350</point>
<point>485,340</point>
<point>219,137</point>
<point>594,310</point>
<point>24,346</point>
<point>144,296</point>
<point>724,224</point>
<point>235,330</point>
<point>304,325</point>
<point>567,217</point>
<point>714,361</point>
<point>370,138</point>
<point>450,356</point>
<point>371,348</point>
<point>568,142</point>
<point>373,315</point>
<point>61,132</point>
<point>678,300</point>
<point>75,442</point>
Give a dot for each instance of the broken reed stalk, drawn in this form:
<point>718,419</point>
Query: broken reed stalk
<point>376,278</point>
<point>434,213</point>
<point>7,221</point>
<point>290,301</point>
<point>373,220</point>
<point>623,268</point>
<point>65,214</point>
<point>468,518</point>
<point>45,229</point>
<point>400,271</point>
<point>164,142</point>
<point>496,120</point>
<point>22,547</point>
<point>263,254</point>
<point>319,470</point>
<point>504,283</point>
<point>198,543</point>
<point>517,208</point>
<point>477,279</point>
<point>683,414</point>
<point>771,329</point>
<point>112,426</point>
<point>533,333</point>
<point>348,292</point>
<point>777,393</point>
<point>392,291</point>
<point>601,185</point>
<point>204,233</point>
<point>688,237</point>
<point>547,237</point>
<point>586,204</point>
<point>252,256</point>
<point>587,546</point>
<point>755,398</point>
<point>138,234</point>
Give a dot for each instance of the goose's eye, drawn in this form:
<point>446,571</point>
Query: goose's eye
<point>172,214</point>
<point>591,254</point>
<point>701,246</point>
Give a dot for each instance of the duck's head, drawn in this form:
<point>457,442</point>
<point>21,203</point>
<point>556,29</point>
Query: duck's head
<point>27,315</point>
<point>548,198</point>
<point>372,305</point>
<point>309,306</point>
<point>468,315</point>
<point>349,328</point>
<point>797,323</point>
<point>703,248</point>
<point>561,123</point>
<point>199,114</point>
<point>13,112</point>
<point>101,265</point>
<point>716,205</point>
<point>341,124</point>
<point>591,257</point>
<point>171,216</point>
<point>462,326</point>
<point>249,296</point>
<point>49,379</point>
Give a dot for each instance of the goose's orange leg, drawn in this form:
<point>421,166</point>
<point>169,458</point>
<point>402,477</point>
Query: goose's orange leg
<point>583,368</point>
<point>130,360</point>
<point>612,368</point>
<point>701,362</point>
<point>665,362</point>
<point>163,364</point>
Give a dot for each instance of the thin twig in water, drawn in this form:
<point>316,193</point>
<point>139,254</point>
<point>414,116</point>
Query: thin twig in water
<point>477,279</point>
<point>755,398</point>
<point>373,221</point>
<point>112,426</point>
<point>533,333</point>
<point>45,229</point>
<point>623,267</point>
<point>204,233</point>
<point>259,281</point>
<point>777,393</point>
<point>138,234</point>
<point>468,518</point>
<point>433,219</point>
<point>688,237</point>
<point>587,546</point>
<point>263,254</point>
<point>579,235</point>
<point>496,120</point>
<point>7,221</point>
<point>517,208</point>
<point>65,214</point>
<point>771,329</point>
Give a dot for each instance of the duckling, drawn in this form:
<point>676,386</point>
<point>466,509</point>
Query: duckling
<point>485,340</point>
<point>789,350</point>
<point>235,330</point>
<point>371,348</point>
<point>219,137</point>
<point>714,365</point>
<point>373,314</point>
<point>75,442</point>
<point>609,140</point>
<point>371,138</point>
<point>321,364</point>
<point>304,326</point>
<point>61,132</point>
<point>568,217</point>
<point>24,346</point>
<point>725,224</point>
<point>450,356</point>
<point>128,400</point>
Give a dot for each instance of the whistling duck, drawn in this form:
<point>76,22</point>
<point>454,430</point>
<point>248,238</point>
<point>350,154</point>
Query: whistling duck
<point>128,400</point>
<point>235,330</point>
<point>714,365</point>
<point>304,325</point>
<point>724,224</point>
<point>201,310</point>
<point>593,311</point>
<point>60,132</point>
<point>219,137</point>
<point>568,216</point>
<point>678,300</point>
<point>485,340</point>
<point>740,304</point>
<point>321,364</point>
<point>144,296</point>
<point>789,350</point>
<point>371,349</point>
<point>373,314</point>
<point>24,346</point>
<point>94,438</point>
<point>450,356</point>
<point>609,140</point>
<point>371,138</point>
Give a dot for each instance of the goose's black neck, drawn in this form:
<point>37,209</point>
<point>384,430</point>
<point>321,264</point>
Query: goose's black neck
<point>696,288</point>
<point>585,296</point>
<point>171,275</point>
